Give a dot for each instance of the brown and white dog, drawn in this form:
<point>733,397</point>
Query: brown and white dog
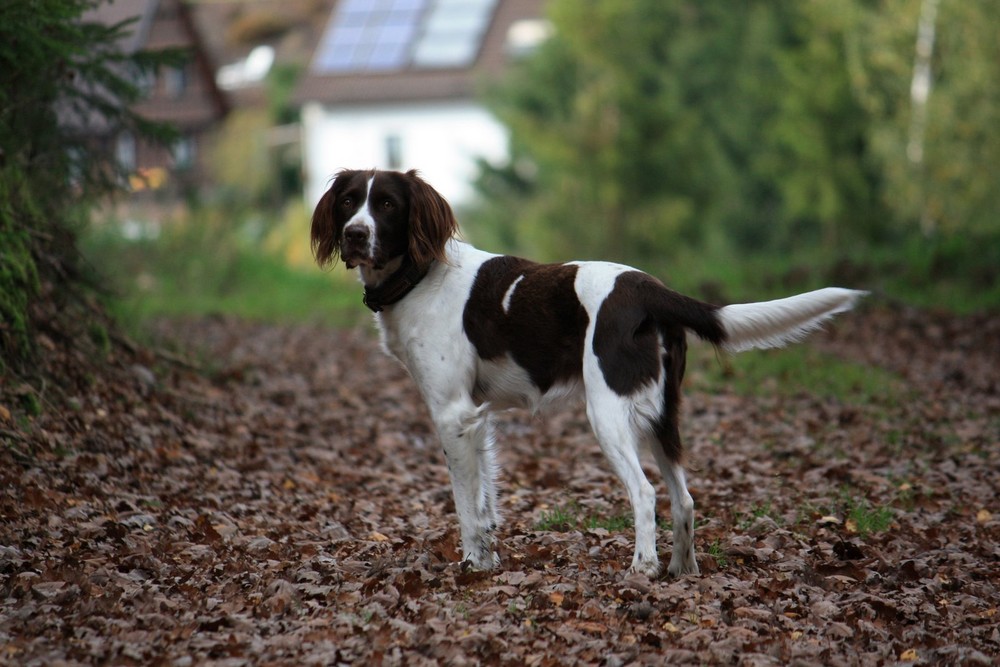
<point>481,332</point>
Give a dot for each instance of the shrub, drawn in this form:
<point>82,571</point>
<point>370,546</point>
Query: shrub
<point>65,82</point>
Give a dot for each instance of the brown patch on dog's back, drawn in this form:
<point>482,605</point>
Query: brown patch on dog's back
<point>544,325</point>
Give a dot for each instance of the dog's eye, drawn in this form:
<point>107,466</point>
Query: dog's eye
<point>346,202</point>
<point>387,205</point>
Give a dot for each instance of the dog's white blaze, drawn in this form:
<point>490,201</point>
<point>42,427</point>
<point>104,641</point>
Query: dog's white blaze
<point>364,218</point>
<point>505,303</point>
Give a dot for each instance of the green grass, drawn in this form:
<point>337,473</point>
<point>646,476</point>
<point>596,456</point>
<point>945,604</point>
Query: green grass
<point>198,266</point>
<point>207,260</point>
<point>959,273</point>
<point>248,284</point>
<point>859,515</point>
<point>572,517</point>
<point>718,552</point>
<point>795,370</point>
<point>560,519</point>
<point>863,517</point>
<point>614,523</point>
<point>757,511</point>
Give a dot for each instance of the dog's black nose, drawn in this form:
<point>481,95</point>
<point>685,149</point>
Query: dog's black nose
<point>357,235</point>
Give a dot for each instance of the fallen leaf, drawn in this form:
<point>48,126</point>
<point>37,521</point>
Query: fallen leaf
<point>591,627</point>
<point>48,589</point>
<point>234,565</point>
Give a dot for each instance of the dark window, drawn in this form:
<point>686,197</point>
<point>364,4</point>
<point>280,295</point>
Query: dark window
<point>394,151</point>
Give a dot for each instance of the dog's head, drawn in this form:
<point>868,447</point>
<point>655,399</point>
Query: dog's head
<point>369,218</point>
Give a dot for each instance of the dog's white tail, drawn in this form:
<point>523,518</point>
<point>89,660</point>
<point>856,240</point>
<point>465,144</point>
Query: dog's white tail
<point>782,321</point>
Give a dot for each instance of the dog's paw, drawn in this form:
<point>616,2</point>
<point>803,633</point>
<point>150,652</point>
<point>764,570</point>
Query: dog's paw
<point>482,561</point>
<point>681,566</point>
<point>646,566</point>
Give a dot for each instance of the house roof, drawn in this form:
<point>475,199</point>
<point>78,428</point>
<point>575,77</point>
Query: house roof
<point>183,33</point>
<point>403,63</point>
<point>234,29</point>
<point>118,11</point>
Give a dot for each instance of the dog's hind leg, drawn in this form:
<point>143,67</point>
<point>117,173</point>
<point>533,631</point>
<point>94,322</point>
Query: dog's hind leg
<point>668,450</point>
<point>466,434</point>
<point>619,440</point>
<point>681,512</point>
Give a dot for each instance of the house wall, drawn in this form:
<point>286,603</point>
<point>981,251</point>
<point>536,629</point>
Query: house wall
<point>441,139</point>
<point>184,96</point>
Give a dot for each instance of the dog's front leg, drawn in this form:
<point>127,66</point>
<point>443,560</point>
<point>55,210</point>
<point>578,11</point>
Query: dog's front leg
<point>466,434</point>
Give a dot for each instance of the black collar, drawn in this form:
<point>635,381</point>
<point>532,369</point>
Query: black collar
<point>396,286</point>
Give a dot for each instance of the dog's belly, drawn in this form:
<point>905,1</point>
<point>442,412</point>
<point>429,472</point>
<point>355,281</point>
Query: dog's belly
<point>504,384</point>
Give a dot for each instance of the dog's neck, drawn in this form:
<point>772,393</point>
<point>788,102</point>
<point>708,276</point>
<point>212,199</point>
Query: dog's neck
<point>373,277</point>
<point>388,285</point>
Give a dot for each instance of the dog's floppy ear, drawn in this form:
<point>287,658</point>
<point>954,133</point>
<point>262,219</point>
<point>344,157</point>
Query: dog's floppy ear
<point>325,231</point>
<point>432,222</point>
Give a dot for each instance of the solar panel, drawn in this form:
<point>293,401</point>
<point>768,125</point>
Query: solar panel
<point>386,35</point>
<point>452,33</point>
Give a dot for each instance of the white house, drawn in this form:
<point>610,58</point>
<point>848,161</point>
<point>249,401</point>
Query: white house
<point>392,85</point>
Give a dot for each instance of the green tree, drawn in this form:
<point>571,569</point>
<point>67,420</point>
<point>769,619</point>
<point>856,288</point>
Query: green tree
<point>815,153</point>
<point>653,121</point>
<point>643,125</point>
<point>594,115</point>
<point>64,84</point>
<point>947,183</point>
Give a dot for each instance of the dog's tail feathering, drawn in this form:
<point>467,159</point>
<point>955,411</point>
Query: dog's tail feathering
<point>782,321</point>
<point>765,324</point>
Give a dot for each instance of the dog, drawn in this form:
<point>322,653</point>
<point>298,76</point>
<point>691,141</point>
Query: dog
<point>481,332</point>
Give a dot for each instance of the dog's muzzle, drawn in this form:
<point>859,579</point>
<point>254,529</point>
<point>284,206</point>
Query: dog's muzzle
<point>355,247</point>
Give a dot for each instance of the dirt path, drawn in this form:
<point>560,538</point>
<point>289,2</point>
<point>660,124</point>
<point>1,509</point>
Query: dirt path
<point>292,507</point>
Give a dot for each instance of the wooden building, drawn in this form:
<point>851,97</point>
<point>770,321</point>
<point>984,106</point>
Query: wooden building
<point>185,96</point>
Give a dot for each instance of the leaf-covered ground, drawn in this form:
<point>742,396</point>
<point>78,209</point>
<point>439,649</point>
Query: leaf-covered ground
<point>288,504</point>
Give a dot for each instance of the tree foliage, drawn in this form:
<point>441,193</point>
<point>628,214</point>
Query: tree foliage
<point>953,189</point>
<point>66,88</point>
<point>641,126</point>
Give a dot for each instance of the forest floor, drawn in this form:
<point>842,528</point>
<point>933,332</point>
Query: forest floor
<point>282,499</point>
